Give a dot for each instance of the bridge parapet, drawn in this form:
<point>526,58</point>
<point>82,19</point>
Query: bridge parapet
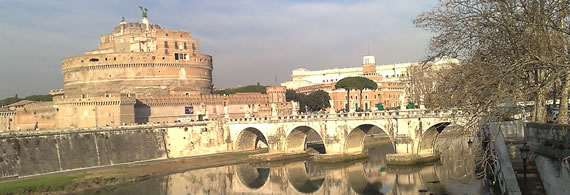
<point>413,113</point>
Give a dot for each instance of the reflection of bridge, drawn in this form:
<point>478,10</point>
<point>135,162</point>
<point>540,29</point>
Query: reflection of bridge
<point>293,178</point>
<point>410,131</point>
<point>308,178</point>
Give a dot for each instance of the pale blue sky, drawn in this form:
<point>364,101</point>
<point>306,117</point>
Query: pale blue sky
<point>250,40</point>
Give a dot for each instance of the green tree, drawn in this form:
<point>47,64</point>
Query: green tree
<point>247,89</point>
<point>40,98</point>
<point>292,96</point>
<point>315,101</point>
<point>355,83</point>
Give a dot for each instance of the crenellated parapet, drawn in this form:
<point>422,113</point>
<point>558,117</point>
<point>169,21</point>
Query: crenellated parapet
<point>96,101</point>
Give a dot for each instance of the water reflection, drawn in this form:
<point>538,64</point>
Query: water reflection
<point>305,177</point>
<point>252,177</point>
<point>370,176</point>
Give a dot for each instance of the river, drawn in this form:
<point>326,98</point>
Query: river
<point>453,175</point>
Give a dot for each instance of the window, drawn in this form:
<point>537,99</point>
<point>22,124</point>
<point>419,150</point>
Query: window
<point>193,46</point>
<point>167,34</point>
<point>154,57</point>
<point>165,44</point>
<point>94,60</point>
<point>180,56</point>
<point>185,45</point>
<point>176,45</point>
<point>366,97</point>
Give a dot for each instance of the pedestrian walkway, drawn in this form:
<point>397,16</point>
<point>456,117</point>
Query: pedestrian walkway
<point>533,183</point>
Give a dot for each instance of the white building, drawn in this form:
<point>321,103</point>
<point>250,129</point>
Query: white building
<point>390,72</point>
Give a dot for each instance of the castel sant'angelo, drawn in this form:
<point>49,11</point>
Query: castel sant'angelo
<point>141,73</point>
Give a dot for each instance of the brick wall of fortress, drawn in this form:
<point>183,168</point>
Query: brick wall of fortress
<point>7,120</point>
<point>38,152</point>
<point>119,110</point>
<point>134,73</point>
<point>74,113</point>
<point>160,109</point>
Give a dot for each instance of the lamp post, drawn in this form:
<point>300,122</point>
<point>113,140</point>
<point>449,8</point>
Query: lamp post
<point>524,149</point>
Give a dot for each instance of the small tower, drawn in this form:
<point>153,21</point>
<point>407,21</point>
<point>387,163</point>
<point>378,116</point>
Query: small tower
<point>368,64</point>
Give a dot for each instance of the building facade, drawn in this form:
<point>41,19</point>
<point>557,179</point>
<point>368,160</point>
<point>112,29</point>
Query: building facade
<point>391,79</point>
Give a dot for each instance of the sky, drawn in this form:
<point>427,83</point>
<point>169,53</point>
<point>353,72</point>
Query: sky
<point>250,40</point>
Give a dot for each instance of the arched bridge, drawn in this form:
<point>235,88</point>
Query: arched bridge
<point>409,131</point>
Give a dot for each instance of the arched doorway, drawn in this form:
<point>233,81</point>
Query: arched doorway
<point>251,139</point>
<point>302,138</point>
<point>356,139</point>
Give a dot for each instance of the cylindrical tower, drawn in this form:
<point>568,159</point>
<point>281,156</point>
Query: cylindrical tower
<point>140,59</point>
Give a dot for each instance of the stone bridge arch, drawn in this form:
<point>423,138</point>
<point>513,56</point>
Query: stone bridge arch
<point>429,137</point>
<point>250,138</point>
<point>354,141</point>
<point>298,138</point>
<point>252,177</point>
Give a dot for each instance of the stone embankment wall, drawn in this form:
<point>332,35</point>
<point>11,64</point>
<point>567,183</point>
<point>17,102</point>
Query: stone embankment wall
<point>550,144</point>
<point>34,153</point>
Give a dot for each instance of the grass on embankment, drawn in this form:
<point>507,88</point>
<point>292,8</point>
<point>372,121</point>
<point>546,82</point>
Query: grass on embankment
<point>38,184</point>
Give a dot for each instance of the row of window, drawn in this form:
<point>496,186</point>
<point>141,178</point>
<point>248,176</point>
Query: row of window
<point>176,46</point>
<point>330,80</point>
<point>365,97</point>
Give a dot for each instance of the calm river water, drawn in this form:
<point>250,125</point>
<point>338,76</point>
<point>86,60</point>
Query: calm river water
<point>371,176</point>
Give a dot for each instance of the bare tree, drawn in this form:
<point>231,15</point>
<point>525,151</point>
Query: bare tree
<point>510,51</point>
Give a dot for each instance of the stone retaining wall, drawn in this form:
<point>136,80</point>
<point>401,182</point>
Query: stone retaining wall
<point>37,153</point>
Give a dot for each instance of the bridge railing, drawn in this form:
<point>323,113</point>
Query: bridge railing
<point>350,115</point>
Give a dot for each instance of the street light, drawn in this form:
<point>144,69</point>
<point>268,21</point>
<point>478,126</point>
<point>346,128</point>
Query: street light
<point>524,155</point>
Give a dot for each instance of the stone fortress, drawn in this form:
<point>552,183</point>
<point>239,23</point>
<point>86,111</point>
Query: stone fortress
<point>140,73</point>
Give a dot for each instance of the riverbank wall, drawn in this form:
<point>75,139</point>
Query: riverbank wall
<point>40,152</point>
<point>550,144</point>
